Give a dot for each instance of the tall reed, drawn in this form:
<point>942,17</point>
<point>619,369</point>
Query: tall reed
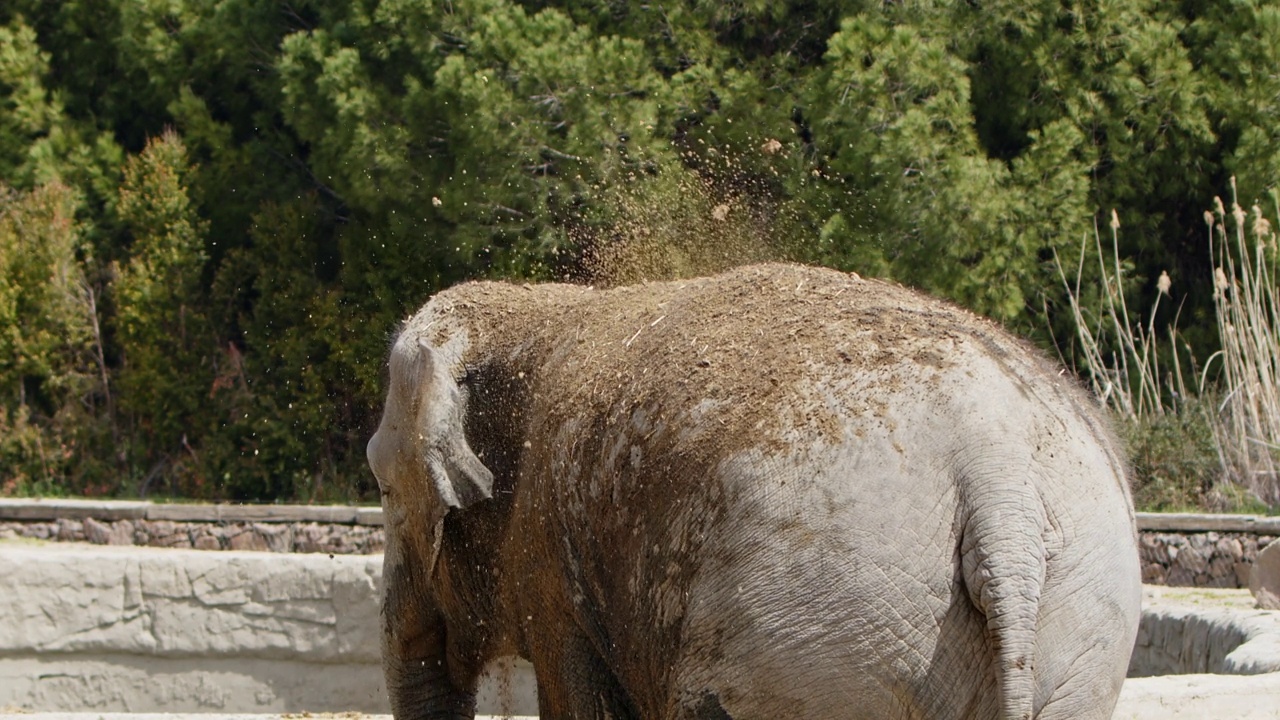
<point>1122,359</point>
<point>1248,317</point>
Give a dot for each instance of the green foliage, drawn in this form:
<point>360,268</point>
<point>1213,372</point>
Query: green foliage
<point>48,380</point>
<point>1174,459</point>
<point>162,330</point>
<point>901,132</point>
<point>297,389</point>
<point>26,111</point>
<point>355,157</point>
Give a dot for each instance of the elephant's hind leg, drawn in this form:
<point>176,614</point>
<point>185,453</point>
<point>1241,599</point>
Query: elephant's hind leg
<point>578,685</point>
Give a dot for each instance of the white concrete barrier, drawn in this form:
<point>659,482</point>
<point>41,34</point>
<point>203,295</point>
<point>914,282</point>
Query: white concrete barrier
<point>85,627</point>
<point>1204,631</point>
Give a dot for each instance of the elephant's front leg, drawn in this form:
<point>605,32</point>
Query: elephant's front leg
<point>574,683</point>
<point>414,656</point>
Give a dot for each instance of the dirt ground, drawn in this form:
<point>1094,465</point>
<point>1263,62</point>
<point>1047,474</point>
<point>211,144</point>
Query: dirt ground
<point>1171,697</point>
<point>1208,697</point>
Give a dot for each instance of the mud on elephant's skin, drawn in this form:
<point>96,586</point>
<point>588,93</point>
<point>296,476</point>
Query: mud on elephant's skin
<point>777,492</point>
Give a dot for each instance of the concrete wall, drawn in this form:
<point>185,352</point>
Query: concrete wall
<point>147,630</point>
<point>1204,631</point>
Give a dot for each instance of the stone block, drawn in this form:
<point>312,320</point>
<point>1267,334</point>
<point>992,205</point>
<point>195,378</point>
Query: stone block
<point>249,540</point>
<point>96,532</point>
<point>1153,573</point>
<point>1180,576</point>
<point>1243,571</point>
<point>56,508</point>
<point>277,538</point>
<point>1231,547</point>
<point>1194,557</point>
<point>308,538</point>
<point>1264,580</point>
<point>369,516</point>
<point>123,532</point>
<point>70,530</point>
<point>1221,572</point>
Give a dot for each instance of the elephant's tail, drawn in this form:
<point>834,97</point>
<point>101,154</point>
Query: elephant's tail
<point>1003,562</point>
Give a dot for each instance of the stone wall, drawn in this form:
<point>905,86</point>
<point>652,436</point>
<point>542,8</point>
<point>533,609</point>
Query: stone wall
<point>1199,559</point>
<point>337,530</point>
<point>299,537</point>
<point>1185,550</point>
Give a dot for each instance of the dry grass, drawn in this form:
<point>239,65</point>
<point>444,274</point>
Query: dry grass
<point>1122,359</point>
<point>1248,316</point>
<point>1162,415</point>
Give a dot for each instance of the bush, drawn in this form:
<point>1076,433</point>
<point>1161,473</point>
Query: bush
<point>1173,459</point>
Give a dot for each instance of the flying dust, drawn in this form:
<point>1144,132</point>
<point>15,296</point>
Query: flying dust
<point>709,213</point>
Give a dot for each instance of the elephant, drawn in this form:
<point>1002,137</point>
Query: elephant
<point>780,491</point>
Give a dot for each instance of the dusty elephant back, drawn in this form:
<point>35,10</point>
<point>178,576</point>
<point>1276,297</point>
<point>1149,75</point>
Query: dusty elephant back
<point>739,346</point>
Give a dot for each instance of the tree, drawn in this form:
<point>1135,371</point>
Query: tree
<point>162,330</point>
<point>51,385</point>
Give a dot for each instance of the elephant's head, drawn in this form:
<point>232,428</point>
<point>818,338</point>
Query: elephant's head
<point>425,467</point>
<point>419,454</point>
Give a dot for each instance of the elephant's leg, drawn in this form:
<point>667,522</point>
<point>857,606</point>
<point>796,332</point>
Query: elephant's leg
<point>573,682</point>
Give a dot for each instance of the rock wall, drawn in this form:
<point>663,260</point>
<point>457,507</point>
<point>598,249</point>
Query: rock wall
<point>1184,550</point>
<point>1199,559</point>
<point>122,629</point>
<point>298,537</point>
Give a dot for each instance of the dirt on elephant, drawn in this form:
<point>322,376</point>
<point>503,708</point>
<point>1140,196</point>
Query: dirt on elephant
<point>680,347</point>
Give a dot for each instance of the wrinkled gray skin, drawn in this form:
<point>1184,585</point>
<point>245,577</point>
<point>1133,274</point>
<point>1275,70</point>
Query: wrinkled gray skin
<point>779,492</point>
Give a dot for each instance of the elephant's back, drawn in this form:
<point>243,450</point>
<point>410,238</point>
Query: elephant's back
<point>765,351</point>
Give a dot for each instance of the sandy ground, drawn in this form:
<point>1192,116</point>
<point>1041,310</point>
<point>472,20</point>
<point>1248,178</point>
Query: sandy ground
<point>1172,697</point>
<point>1216,697</point>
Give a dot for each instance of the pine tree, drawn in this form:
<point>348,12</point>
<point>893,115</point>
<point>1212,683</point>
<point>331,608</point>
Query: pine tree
<point>161,325</point>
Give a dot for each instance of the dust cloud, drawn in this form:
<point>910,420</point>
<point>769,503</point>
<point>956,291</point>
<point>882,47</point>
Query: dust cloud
<point>710,214</point>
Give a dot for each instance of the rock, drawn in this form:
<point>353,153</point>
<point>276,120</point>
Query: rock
<point>39,531</point>
<point>70,530</point>
<point>307,538</point>
<point>158,532</point>
<point>1222,572</point>
<point>206,541</point>
<point>248,540</point>
<point>1180,577</point>
<point>1194,558</point>
<point>1153,574</point>
<point>278,538</point>
<point>1231,548</point>
<point>1264,581</point>
<point>1151,549</point>
<point>1243,570</point>
<point>122,533</point>
<point>96,532</point>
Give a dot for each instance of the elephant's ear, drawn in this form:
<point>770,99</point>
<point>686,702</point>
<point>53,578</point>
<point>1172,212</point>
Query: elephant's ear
<point>460,479</point>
